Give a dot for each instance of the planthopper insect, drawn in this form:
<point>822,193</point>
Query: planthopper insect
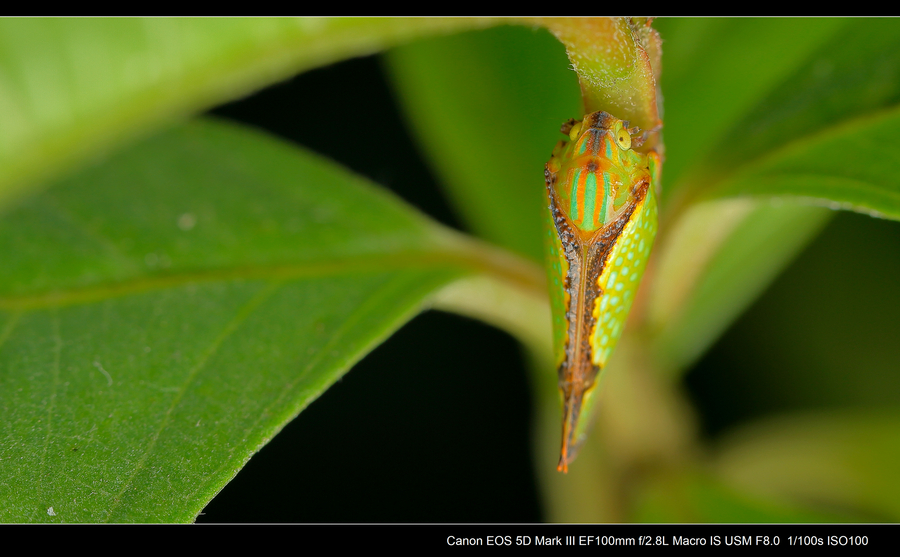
<point>603,219</point>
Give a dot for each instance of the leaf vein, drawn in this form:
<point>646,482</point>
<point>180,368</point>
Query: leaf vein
<point>57,349</point>
<point>371,304</point>
<point>241,316</point>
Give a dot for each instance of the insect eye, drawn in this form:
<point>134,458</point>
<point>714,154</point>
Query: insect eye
<point>623,138</point>
<point>576,129</point>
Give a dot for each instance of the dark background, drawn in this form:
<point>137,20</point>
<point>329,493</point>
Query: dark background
<point>445,404</point>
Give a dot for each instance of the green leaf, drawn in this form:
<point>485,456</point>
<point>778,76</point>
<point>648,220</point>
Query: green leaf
<point>845,462</point>
<point>827,133</point>
<point>698,496</point>
<point>854,74</point>
<point>487,107</point>
<point>716,71</point>
<point>163,315</point>
<point>71,89</point>
<point>852,167</point>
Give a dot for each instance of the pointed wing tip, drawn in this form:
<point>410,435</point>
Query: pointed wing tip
<point>571,442</point>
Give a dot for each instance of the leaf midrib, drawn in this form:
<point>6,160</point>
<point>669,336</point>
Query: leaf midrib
<point>474,257</point>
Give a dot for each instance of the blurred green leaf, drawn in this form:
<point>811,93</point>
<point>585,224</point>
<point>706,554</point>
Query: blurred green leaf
<point>487,107</point>
<point>73,88</point>
<point>823,335</point>
<point>855,74</point>
<point>721,257</point>
<point>163,315</point>
<point>844,462</point>
<point>805,77</point>
<point>699,497</point>
<point>827,133</point>
<point>716,71</point>
<point>715,258</point>
<point>851,167</point>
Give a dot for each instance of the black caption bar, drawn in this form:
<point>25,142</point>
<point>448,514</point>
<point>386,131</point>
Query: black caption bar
<point>648,539</point>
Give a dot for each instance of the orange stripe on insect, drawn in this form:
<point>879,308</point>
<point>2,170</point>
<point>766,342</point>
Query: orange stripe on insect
<point>600,209</point>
